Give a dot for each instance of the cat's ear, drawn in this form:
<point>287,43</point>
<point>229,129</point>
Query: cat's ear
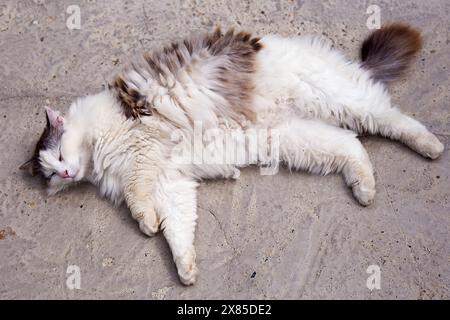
<point>28,166</point>
<point>54,119</point>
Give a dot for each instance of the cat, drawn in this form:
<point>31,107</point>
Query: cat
<point>301,88</point>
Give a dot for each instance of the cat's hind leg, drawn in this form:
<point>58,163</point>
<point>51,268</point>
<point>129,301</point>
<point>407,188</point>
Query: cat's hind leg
<point>176,198</point>
<point>391,123</point>
<point>380,117</point>
<point>386,54</point>
<point>321,148</point>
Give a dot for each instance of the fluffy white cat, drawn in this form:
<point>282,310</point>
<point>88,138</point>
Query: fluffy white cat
<point>310,100</point>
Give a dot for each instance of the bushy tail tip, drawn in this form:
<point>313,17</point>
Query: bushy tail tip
<point>389,51</point>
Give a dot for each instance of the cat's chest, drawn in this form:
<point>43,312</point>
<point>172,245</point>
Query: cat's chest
<point>109,182</point>
<point>110,162</point>
<point>110,186</point>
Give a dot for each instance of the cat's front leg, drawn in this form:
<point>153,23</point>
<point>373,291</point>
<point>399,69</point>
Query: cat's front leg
<point>139,193</point>
<point>176,199</point>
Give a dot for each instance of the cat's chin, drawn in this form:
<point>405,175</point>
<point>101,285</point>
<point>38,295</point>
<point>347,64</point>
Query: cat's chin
<point>78,176</point>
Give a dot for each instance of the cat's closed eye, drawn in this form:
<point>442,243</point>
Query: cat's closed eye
<point>60,158</point>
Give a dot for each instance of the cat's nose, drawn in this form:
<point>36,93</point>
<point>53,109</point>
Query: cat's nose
<point>65,174</point>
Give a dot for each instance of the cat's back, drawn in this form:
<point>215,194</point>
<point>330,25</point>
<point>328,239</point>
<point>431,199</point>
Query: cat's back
<point>309,57</point>
<point>306,73</point>
<point>201,78</point>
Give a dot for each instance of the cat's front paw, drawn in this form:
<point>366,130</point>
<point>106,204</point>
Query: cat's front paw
<point>187,268</point>
<point>189,277</point>
<point>149,225</point>
<point>364,191</point>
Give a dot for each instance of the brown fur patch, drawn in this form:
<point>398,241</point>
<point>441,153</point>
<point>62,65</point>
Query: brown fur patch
<point>234,75</point>
<point>389,51</point>
<point>133,103</point>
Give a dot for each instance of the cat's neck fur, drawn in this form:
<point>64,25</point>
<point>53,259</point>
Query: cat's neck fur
<point>96,122</point>
<point>94,115</point>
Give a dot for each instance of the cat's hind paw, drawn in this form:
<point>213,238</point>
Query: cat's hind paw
<point>428,145</point>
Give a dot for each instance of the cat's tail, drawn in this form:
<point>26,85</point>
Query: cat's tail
<point>389,51</point>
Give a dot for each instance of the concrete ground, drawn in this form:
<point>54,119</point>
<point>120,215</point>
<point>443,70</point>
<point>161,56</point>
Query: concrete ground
<point>292,235</point>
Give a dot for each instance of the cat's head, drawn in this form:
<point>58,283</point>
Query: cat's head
<point>52,154</point>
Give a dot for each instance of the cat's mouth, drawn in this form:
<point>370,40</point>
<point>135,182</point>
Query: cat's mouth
<point>70,177</point>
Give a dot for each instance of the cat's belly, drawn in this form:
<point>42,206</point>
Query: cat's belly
<point>307,78</point>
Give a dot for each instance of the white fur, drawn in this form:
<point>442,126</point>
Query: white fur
<point>305,90</point>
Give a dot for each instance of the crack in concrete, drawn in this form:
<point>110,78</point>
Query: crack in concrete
<point>227,240</point>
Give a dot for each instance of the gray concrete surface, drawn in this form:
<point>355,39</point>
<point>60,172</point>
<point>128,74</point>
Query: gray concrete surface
<point>300,236</point>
